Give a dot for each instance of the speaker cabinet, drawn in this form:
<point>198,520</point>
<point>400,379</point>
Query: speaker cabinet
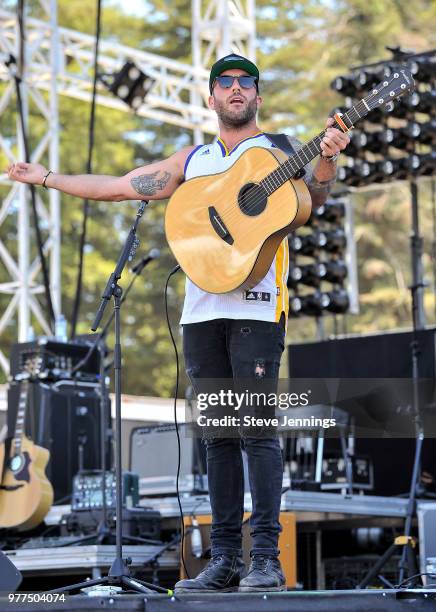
<point>10,577</point>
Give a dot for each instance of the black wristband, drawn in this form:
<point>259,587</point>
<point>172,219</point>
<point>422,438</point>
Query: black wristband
<point>45,178</point>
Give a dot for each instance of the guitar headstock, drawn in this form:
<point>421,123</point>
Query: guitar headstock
<point>397,84</point>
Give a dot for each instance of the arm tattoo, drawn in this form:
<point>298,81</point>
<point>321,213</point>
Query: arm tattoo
<point>147,184</point>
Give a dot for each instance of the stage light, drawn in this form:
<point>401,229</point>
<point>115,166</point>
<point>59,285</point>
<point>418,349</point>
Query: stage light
<point>404,138</point>
<point>331,212</point>
<point>320,259</point>
<point>344,85</point>
<point>294,276</point>
<point>423,69</point>
<point>394,169</point>
<point>309,274</point>
<point>359,142</point>
<point>338,301</point>
<point>295,305</point>
<point>312,304</point>
<point>130,85</point>
<point>397,138</point>
<point>308,244</point>
<point>358,83</point>
<point>336,240</point>
<point>421,165</point>
<point>313,274</point>
<point>425,133</point>
<point>417,102</point>
<point>335,271</point>
<point>355,173</point>
<point>366,80</point>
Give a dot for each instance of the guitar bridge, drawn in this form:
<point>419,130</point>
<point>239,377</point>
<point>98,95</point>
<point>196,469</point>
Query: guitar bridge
<point>219,226</point>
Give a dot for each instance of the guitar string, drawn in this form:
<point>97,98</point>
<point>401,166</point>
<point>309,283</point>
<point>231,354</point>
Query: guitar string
<point>279,172</point>
<point>232,214</point>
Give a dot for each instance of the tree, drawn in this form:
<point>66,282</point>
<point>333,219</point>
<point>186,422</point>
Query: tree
<point>302,46</point>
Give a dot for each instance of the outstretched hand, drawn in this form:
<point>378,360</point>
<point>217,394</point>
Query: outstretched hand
<point>27,173</point>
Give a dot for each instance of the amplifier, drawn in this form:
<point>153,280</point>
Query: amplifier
<point>334,473</point>
<point>427,538</point>
<point>137,522</point>
<point>88,493</point>
<point>56,360</point>
<point>154,453</point>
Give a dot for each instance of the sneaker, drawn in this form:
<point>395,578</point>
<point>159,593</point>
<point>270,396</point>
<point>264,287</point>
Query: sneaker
<point>265,574</point>
<point>223,573</point>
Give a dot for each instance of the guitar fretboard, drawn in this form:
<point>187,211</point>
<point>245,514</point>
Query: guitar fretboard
<point>19,423</point>
<point>292,166</point>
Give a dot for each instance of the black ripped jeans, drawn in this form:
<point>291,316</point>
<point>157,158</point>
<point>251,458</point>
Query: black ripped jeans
<point>239,349</point>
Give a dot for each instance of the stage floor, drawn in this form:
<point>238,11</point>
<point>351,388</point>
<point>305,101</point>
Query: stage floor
<point>292,601</point>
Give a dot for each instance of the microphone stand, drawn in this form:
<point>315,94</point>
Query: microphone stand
<point>405,542</point>
<point>119,573</point>
<point>103,530</point>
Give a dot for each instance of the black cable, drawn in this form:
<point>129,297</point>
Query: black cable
<point>59,501</point>
<point>400,586</point>
<point>17,76</point>
<point>433,244</point>
<point>182,525</point>
<point>76,306</point>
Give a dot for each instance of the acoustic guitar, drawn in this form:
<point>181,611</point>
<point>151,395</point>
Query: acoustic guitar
<point>224,229</point>
<point>25,493</point>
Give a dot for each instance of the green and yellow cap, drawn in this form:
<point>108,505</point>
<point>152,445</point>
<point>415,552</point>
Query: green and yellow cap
<point>232,61</point>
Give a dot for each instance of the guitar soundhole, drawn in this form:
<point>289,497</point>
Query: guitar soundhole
<point>16,463</point>
<point>252,199</point>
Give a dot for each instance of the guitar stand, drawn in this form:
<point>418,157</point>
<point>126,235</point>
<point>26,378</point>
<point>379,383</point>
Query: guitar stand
<point>119,573</point>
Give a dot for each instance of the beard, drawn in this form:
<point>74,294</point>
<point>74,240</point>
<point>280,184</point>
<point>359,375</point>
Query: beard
<point>236,118</point>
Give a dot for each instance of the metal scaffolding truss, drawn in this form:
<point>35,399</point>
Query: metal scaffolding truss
<point>23,285</point>
<point>218,28</point>
<point>59,61</point>
<point>172,81</point>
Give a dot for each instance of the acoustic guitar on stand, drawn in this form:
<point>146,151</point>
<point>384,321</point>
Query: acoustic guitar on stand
<point>224,229</point>
<point>25,493</point>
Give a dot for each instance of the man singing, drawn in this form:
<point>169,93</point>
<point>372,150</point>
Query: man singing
<point>225,336</point>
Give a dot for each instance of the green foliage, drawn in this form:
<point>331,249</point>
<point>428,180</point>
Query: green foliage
<point>302,46</point>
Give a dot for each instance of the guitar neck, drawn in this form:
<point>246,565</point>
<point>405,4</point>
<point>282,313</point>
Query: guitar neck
<point>290,168</point>
<point>19,423</point>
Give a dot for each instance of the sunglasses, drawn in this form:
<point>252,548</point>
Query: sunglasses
<point>246,82</point>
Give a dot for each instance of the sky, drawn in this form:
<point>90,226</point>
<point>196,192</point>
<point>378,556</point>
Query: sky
<point>133,7</point>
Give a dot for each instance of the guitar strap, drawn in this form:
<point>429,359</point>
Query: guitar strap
<point>281,141</point>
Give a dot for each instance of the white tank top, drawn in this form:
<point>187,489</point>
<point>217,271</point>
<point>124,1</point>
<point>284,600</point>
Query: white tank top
<point>267,300</point>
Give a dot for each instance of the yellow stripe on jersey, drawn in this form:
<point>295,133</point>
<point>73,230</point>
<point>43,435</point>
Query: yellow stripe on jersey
<point>226,150</point>
<point>282,259</point>
<point>285,278</point>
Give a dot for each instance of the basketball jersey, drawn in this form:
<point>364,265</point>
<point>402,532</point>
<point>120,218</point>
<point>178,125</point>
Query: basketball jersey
<point>269,298</point>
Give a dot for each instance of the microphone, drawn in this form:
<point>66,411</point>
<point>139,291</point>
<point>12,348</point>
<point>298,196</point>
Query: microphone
<point>153,254</point>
